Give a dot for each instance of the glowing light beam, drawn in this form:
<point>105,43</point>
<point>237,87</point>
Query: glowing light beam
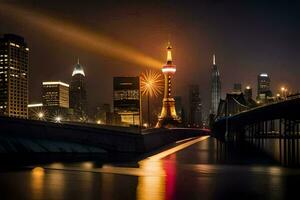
<point>80,37</point>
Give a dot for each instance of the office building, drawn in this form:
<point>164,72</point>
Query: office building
<point>36,111</point>
<point>55,99</point>
<point>179,108</point>
<point>126,99</point>
<point>78,95</point>
<point>263,87</point>
<point>14,74</point>
<point>237,87</point>
<point>215,88</point>
<point>102,113</point>
<point>248,92</point>
<point>195,119</point>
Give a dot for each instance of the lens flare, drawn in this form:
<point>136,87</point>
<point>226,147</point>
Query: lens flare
<point>82,38</point>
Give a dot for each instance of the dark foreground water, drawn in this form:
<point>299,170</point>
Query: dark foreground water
<point>207,169</point>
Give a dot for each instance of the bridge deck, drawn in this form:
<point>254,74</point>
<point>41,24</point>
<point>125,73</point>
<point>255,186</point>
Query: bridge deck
<point>289,109</point>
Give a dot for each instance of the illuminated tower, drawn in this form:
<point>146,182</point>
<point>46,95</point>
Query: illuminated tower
<point>168,117</point>
<point>14,73</point>
<point>215,88</point>
<point>78,96</point>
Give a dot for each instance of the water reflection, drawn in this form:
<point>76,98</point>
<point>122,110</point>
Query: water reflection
<point>208,169</point>
<point>37,180</point>
<point>151,185</point>
<point>284,150</point>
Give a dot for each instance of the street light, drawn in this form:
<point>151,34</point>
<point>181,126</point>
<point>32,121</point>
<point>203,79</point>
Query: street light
<point>40,115</point>
<point>58,119</point>
<point>283,91</point>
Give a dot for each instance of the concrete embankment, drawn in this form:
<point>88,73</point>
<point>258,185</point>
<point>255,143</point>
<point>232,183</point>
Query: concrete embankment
<point>30,136</point>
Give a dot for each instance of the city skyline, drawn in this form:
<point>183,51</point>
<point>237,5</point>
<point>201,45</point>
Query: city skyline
<point>236,56</point>
<point>149,100</point>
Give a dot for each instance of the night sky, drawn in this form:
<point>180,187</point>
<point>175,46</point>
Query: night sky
<point>247,38</point>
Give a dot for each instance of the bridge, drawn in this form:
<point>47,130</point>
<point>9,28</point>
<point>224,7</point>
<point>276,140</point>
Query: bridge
<point>279,119</point>
<point>21,136</point>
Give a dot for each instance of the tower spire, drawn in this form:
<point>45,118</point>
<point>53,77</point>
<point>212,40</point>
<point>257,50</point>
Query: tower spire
<point>77,60</point>
<point>168,116</point>
<point>214,59</point>
<point>169,53</point>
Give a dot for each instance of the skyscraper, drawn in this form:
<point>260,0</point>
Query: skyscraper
<point>195,106</point>
<point>55,99</point>
<point>78,95</point>
<point>101,113</point>
<point>179,108</point>
<point>55,93</point>
<point>13,76</point>
<point>263,87</point>
<point>248,92</point>
<point>237,87</point>
<point>126,99</point>
<point>215,88</point>
<point>168,115</point>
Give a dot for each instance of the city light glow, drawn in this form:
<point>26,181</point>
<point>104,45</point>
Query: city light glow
<point>78,71</point>
<point>146,125</point>
<point>41,115</point>
<point>58,119</point>
<point>35,105</point>
<point>55,83</point>
<point>264,75</point>
<point>38,171</point>
<point>168,69</point>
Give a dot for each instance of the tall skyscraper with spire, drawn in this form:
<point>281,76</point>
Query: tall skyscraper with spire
<point>215,87</point>
<point>168,116</point>
<point>78,96</point>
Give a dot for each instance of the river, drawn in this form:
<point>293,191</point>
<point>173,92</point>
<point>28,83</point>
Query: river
<point>199,168</point>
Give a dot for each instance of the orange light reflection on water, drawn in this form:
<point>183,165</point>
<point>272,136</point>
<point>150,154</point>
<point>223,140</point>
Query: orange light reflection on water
<point>37,181</point>
<point>159,177</point>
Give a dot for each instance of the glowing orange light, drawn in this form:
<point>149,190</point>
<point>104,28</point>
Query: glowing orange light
<point>82,38</point>
<point>38,171</point>
<point>151,83</point>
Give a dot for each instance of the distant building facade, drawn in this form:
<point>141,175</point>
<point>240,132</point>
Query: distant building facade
<point>215,88</point>
<point>263,87</point>
<point>179,109</point>
<point>126,99</point>
<point>102,114</point>
<point>36,111</point>
<point>248,92</point>
<point>195,119</point>
<point>78,94</point>
<point>14,73</point>
<point>55,99</point>
<point>237,87</point>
